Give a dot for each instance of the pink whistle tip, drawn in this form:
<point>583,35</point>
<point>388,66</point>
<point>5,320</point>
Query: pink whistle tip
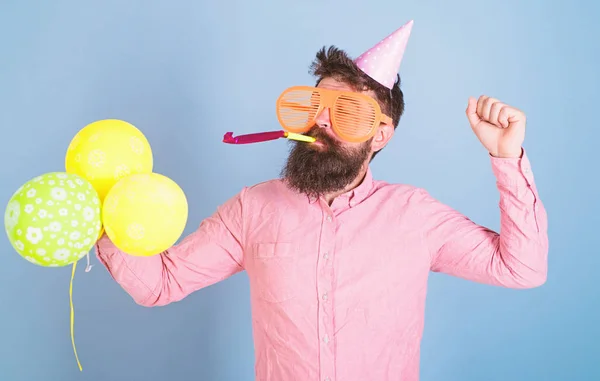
<point>228,138</point>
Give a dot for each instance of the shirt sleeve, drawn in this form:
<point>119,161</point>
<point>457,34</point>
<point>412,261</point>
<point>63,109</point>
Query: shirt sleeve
<point>516,257</point>
<point>208,255</point>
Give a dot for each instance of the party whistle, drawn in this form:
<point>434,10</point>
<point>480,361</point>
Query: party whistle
<point>265,136</point>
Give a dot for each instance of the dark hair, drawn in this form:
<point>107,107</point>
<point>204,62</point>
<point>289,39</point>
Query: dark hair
<point>335,63</point>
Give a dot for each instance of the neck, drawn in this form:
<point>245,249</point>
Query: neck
<point>329,197</point>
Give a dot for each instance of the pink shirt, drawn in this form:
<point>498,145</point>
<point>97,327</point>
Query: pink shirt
<point>338,292</point>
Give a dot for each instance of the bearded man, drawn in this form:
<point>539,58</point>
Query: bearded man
<point>338,261</point>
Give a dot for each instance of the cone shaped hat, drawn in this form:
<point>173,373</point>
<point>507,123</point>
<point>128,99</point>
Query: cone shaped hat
<point>382,61</point>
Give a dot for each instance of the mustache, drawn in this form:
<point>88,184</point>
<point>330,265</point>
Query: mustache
<point>318,133</point>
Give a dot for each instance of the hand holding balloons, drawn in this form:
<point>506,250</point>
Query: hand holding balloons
<point>55,219</point>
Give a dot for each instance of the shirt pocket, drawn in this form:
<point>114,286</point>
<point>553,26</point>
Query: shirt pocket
<point>275,272</point>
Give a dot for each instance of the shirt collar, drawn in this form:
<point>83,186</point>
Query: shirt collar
<point>362,191</point>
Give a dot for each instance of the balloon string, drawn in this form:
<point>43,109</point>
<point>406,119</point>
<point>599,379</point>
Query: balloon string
<point>73,315</point>
<point>88,267</point>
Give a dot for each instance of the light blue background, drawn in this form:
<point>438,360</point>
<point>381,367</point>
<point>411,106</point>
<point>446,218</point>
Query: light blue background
<point>185,72</point>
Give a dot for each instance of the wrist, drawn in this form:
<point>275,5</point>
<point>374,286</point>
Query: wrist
<point>508,154</point>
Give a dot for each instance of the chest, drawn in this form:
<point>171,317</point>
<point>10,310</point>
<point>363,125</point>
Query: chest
<point>360,250</point>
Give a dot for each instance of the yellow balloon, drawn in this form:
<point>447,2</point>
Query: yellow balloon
<point>105,151</point>
<point>145,214</point>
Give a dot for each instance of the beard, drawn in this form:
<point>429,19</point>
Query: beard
<point>318,170</point>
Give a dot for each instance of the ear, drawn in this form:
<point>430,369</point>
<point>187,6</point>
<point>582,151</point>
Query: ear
<point>382,136</point>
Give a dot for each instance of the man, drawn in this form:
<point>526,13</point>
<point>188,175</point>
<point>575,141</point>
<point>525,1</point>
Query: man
<point>337,261</point>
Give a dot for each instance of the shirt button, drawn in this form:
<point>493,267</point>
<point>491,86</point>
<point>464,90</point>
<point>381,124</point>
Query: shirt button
<point>325,296</point>
<point>326,256</point>
<point>329,218</point>
<point>326,339</point>
<point>327,379</point>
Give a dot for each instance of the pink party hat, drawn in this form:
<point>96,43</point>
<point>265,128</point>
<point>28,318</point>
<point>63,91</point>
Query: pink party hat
<point>382,61</point>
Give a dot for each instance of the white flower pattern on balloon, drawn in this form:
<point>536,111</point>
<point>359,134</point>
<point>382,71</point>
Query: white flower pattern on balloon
<point>34,235</point>
<point>62,254</point>
<point>55,226</point>
<point>96,158</point>
<point>19,245</point>
<point>13,211</point>
<point>88,213</point>
<point>59,194</point>
<point>137,145</point>
<point>135,231</point>
<point>31,259</point>
<point>121,171</point>
<point>111,207</point>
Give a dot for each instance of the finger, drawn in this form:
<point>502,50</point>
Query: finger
<point>504,116</point>
<point>481,104</point>
<point>495,110</point>
<point>487,108</point>
<point>472,112</point>
<point>515,115</point>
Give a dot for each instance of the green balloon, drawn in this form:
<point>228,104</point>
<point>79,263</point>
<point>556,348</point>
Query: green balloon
<point>54,219</point>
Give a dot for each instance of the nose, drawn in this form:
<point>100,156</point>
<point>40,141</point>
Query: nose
<point>322,120</point>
